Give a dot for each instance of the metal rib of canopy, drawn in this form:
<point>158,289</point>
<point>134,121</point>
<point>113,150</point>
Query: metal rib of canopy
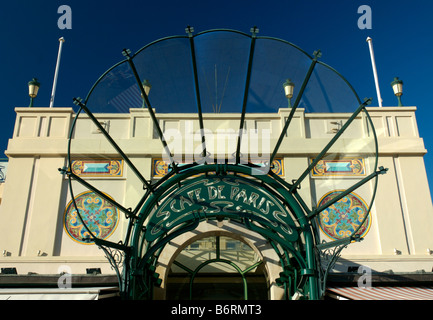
<point>211,78</point>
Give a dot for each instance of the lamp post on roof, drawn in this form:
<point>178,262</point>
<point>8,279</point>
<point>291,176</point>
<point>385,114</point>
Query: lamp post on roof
<point>34,86</point>
<point>289,86</point>
<point>146,86</point>
<point>397,86</point>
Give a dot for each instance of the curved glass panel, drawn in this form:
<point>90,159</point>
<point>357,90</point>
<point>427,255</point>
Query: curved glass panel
<point>104,188</point>
<point>222,62</point>
<point>274,62</point>
<point>115,92</point>
<point>327,91</point>
<point>351,159</point>
<point>167,65</point>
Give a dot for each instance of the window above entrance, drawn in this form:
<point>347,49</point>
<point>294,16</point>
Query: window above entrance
<point>218,248</point>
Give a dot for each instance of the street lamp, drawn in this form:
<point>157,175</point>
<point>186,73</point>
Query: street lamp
<point>289,86</point>
<point>34,86</point>
<point>397,86</point>
<point>146,86</point>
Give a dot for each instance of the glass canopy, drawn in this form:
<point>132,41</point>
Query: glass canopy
<point>215,80</point>
<point>222,61</point>
<point>219,72</point>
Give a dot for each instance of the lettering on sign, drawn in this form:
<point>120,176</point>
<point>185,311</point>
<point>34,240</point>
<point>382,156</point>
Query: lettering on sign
<point>211,197</point>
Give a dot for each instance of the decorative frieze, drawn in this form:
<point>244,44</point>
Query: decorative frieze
<point>97,168</point>
<point>340,167</point>
<point>160,167</point>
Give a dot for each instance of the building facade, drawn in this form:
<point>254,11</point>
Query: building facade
<point>41,234</point>
<point>220,185</point>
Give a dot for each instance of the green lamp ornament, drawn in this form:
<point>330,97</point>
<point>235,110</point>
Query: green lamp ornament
<point>289,87</point>
<point>34,86</point>
<point>397,86</point>
<point>146,86</point>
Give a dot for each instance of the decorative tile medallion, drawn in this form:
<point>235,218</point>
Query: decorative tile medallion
<point>98,168</point>
<point>160,168</point>
<point>100,216</point>
<point>3,168</point>
<point>342,218</point>
<point>339,167</point>
<point>278,167</point>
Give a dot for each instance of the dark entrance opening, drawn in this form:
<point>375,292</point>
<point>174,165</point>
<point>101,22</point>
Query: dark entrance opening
<point>217,268</point>
<point>217,287</point>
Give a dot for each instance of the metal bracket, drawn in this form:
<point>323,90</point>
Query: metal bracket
<point>254,31</point>
<point>329,253</point>
<point>189,30</point>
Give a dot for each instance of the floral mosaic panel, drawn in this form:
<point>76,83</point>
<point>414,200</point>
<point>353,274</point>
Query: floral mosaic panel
<point>343,218</point>
<point>100,216</point>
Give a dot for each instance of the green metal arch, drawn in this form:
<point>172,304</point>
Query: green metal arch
<point>166,188</point>
<point>141,255</point>
<point>241,169</point>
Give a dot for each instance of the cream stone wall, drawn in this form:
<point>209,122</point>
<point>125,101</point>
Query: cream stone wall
<point>1,192</point>
<point>32,237</point>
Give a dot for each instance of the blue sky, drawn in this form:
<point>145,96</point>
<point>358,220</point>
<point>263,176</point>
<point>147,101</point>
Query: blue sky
<point>401,30</point>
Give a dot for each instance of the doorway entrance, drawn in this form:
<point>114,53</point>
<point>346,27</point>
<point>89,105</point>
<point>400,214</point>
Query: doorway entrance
<point>217,268</point>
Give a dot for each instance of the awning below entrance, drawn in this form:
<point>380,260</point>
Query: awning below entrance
<point>59,294</point>
<point>382,293</point>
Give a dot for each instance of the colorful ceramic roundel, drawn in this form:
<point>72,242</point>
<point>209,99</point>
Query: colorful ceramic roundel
<point>99,215</point>
<point>342,218</point>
